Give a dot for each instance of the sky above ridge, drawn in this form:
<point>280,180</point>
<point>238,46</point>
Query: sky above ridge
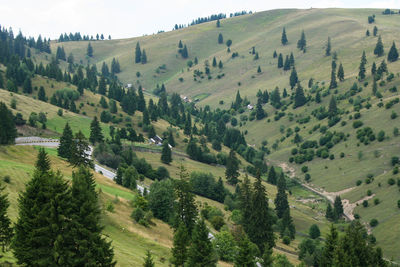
<point>129,18</point>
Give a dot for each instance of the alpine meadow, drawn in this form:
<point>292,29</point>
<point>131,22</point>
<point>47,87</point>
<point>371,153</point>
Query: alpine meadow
<point>266,138</point>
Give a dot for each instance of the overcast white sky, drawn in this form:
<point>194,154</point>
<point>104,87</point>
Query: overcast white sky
<point>128,18</point>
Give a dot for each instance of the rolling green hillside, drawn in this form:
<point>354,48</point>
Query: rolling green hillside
<point>349,159</point>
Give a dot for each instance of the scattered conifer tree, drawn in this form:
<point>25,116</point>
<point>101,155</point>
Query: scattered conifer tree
<point>96,135</point>
<point>89,51</point>
<point>185,53</point>
<point>328,47</point>
<point>375,31</point>
<point>284,39</point>
<point>66,143</point>
<point>232,168</point>
<point>138,53</point>
<point>148,261</point>
<point>166,155</point>
<point>281,201</point>
<point>379,47</point>
<point>301,44</point>
<point>201,251</point>
<point>361,73</point>
<point>8,131</point>
<point>299,98</point>
<point>144,57</point>
<point>280,61</point>
<point>220,39</point>
<point>340,73</point>
<point>180,243</point>
<point>245,255</point>
<point>293,78</point>
<point>393,53</point>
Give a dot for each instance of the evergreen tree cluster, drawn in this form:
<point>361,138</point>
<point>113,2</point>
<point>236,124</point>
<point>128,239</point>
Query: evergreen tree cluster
<point>8,131</point>
<point>286,64</point>
<point>57,224</point>
<point>335,213</point>
<point>140,55</point>
<point>78,37</point>
<point>183,50</point>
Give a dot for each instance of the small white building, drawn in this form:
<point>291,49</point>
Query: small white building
<point>250,107</point>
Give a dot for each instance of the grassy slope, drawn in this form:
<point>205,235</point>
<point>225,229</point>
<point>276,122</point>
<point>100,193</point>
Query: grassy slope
<point>346,27</point>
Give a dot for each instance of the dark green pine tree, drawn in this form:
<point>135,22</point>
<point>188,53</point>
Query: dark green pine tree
<point>280,61</point>
<point>373,69</point>
<point>89,51</point>
<point>146,117</point>
<point>86,241</point>
<point>141,105</point>
<point>291,59</point>
<point>281,201</point>
<point>340,73</point>
<point>186,209</point>
<point>6,231</point>
<point>293,78</point>
<point>260,113</point>
<point>379,47</point>
<point>144,57</point>
<point>214,62</point>
<point>166,155</point>
<point>299,98</point>
<point>185,53</point>
<point>43,227</point>
<point>272,176</point>
<point>8,131</point>
<point>220,39</point>
<point>374,87</point>
<point>79,151</point>
<point>260,228</point>
<point>188,125</point>
<point>328,252</point>
<point>329,212</point>
<point>286,224</point>
<point>201,251</point>
<point>318,97</point>
<point>96,135</point>
<point>218,23</point>
<point>375,31</point>
<point>361,73</point>
<point>393,53</point>
<point>301,44</point>
<point>102,86</point>
<point>66,142</point>
<point>148,261</point>
<point>332,107</point>
<point>220,64</point>
<point>337,208</point>
<point>245,256</point>
<point>286,65</point>
<point>27,86</point>
<point>232,168</point>
<point>180,245</point>
<point>333,83</point>
<point>43,162</point>
<point>267,258</point>
<point>180,45</point>
<point>138,53</point>
<point>284,39</point>
<point>328,47</point>
<point>245,196</point>
<point>259,69</point>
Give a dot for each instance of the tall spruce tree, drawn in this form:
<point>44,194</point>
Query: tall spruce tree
<point>185,53</point>
<point>180,245</point>
<point>201,251</point>
<point>80,151</point>
<point>220,39</point>
<point>332,110</point>
<point>379,47</point>
<point>86,241</point>
<point>328,47</point>
<point>96,135</point>
<point>375,31</point>
<point>299,98</point>
<point>138,53</point>
<point>102,86</point>
<point>186,209</point>
<point>361,73</point>
<point>329,212</point>
<point>293,78</point>
<point>245,196</point>
<point>245,256</point>
<point>8,131</point>
<point>66,143</point>
<point>301,44</point>
<point>232,168</point>
<point>43,162</point>
<point>166,155</point>
<point>328,252</point>
<point>89,51</point>
<point>43,226</point>
<point>280,61</point>
<point>286,65</point>
<point>340,73</point>
<point>393,53</point>
<point>143,59</point>
<point>337,208</point>
<point>281,201</point>
<point>260,227</point>
<point>284,39</point>
<point>148,261</point>
<point>272,176</point>
<point>333,83</point>
<point>141,104</point>
<point>260,113</point>
<point>6,231</point>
